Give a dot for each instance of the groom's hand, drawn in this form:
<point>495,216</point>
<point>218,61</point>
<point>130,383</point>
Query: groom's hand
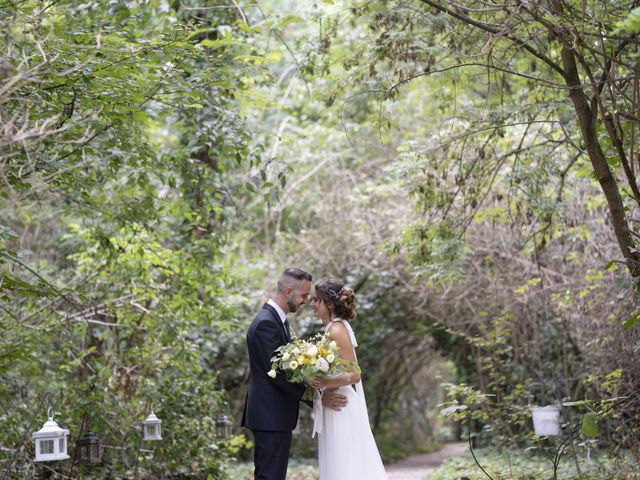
<point>333,400</point>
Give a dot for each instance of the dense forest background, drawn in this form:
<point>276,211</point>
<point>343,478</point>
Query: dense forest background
<point>468,167</point>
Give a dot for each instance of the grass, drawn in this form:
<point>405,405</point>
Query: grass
<point>522,465</point>
<point>305,469</point>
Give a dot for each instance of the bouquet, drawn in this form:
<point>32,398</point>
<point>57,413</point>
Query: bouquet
<point>302,360</point>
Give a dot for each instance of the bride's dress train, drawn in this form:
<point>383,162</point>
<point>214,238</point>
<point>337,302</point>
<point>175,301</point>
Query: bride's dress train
<point>346,447</point>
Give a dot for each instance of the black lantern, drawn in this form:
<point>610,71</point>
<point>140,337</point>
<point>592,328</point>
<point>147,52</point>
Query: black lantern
<point>88,448</point>
<point>223,427</point>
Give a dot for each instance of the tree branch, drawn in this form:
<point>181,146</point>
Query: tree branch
<point>487,28</point>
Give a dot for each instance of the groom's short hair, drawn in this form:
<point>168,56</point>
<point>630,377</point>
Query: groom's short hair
<point>291,277</point>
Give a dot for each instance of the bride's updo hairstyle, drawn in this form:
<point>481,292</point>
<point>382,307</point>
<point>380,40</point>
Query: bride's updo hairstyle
<point>340,298</point>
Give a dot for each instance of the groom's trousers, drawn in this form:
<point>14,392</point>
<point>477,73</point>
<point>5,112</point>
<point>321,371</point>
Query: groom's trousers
<point>271,454</point>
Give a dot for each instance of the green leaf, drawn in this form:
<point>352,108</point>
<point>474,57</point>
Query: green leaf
<point>223,42</point>
<point>631,321</point>
<point>288,20</point>
<point>590,425</point>
<point>613,161</point>
<point>630,24</point>
<point>6,232</point>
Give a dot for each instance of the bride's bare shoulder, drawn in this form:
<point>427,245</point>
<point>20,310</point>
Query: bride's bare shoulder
<point>338,330</point>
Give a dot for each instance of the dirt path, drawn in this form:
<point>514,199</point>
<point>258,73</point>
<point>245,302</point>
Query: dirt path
<point>418,467</point>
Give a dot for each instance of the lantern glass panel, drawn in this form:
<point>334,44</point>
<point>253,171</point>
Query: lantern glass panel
<point>61,445</point>
<point>46,447</point>
<point>151,430</point>
<point>95,451</point>
<point>223,427</point>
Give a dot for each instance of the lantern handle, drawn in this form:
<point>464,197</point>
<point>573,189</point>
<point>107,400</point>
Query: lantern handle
<point>49,413</point>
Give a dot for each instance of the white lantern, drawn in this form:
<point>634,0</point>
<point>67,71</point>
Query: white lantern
<point>51,441</point>
<point>151,427</point>
<point>546,420</point>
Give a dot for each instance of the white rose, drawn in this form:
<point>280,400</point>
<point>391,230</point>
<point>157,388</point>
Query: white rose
<point>296,351</point>
<point>322,365</point>
<point>293,365</point>
<point>312,351</point>
<point>286,356</point>
<point>272,373</point>
<point>331,357</point>
<point>333,345</point>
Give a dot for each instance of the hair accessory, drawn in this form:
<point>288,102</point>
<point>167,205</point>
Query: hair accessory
<point>339,294</point>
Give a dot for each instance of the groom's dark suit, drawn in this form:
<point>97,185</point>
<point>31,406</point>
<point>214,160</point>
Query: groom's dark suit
<point>271,408</point>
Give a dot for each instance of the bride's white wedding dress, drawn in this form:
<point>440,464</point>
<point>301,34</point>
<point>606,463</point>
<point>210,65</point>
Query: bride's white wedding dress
<point>346,447</point>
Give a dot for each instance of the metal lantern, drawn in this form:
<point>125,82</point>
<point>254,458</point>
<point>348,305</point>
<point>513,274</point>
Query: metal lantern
<point>151,427</point>
<point>51,441</point>
<point>223,427</point>
<point>88,448</point>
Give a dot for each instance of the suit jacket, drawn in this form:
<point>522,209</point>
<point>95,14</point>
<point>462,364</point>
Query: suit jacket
<point>272,404</point>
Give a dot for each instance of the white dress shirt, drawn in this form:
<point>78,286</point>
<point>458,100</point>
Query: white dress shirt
<point>281,314</point>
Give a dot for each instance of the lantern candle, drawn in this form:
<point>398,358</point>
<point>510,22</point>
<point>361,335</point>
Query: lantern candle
<point>546,420</point>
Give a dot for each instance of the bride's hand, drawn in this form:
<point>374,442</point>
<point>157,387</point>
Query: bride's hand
<point>317,383</point>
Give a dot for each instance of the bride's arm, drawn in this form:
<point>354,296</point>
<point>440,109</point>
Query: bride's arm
<point>341,336</point>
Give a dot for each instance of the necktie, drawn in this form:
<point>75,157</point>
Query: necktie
<point>287,330</point>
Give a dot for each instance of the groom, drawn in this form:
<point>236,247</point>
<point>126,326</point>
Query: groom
<point>271,408</point>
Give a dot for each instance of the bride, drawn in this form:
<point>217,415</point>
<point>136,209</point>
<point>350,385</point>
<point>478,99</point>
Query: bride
<point>346,447</point>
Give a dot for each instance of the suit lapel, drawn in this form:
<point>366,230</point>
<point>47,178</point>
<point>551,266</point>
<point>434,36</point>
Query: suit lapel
<point>276,318</point>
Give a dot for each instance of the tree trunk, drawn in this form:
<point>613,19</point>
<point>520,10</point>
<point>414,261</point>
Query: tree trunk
<point>587,121</point>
